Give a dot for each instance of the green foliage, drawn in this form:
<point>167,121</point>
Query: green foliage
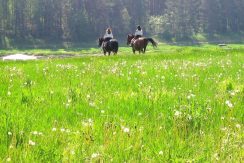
<point>81,20</point>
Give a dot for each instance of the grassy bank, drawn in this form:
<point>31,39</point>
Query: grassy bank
<point>173,104</point>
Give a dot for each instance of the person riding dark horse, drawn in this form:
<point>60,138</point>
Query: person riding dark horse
<point>108,43</point>
<point>108,35</point>
<point>139,44</point>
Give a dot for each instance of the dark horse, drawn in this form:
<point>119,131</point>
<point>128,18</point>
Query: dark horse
<point>108,46</point>
<point>139,44</point>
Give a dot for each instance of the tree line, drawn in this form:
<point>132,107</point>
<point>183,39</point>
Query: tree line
<point>82,20</point>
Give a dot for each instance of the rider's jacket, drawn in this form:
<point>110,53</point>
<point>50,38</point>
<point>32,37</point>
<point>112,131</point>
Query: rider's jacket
<point>108,35</point>
<point>138,33</point>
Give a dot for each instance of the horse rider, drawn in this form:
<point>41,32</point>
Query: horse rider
<point>138,33</point>
<point>108,35</point>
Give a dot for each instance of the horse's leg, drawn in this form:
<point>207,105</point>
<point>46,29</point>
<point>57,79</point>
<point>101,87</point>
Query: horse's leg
<point>134,51</point>
<point>104,52</point>
<point>109,53</point>
<point>144,51</point>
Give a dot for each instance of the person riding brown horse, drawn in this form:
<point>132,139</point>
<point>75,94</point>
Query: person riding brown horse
<point>139,44</point>
<point>138,33</point>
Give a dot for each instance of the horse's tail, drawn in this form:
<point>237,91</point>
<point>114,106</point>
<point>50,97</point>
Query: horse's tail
<point>154,44</point>
<point>114,45</point>
<point>116,48</point>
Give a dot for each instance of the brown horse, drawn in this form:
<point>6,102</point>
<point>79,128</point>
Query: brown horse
<point>139,44</point>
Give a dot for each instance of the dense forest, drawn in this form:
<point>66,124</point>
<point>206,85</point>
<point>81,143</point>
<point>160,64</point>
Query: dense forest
<point>81,20</point>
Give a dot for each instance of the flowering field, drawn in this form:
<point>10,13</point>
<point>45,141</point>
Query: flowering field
<point>174,104</point>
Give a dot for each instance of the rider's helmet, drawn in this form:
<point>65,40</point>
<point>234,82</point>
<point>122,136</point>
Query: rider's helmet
<point>139,27</point>
<point>109,30</point>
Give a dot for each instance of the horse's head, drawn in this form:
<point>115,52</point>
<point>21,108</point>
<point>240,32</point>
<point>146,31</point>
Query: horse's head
<point>100,41</point>
<point>129,38</point>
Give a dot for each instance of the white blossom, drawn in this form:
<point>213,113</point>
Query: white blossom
<point>238,126</point>
<point>126,130</point>
<point>54,129</point>
<point>229,104</point>
<point>160,152</point>
<point>177,113</point>
<point>95,155</point>
<point>62,130</point>
<point>32,143</point>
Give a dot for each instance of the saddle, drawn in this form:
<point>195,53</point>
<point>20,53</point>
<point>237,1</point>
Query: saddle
<point>134,39</point>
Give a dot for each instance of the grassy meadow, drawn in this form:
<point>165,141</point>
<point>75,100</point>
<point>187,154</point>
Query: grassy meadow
<point>172,104</point>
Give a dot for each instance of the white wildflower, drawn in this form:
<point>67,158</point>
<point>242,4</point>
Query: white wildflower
<point>126,130</point>
<point>54,129</point>
<point>216,156</point>
<point>72,152</point>
<point>92,104</point>
<point>229,104</point>
<point>35,133</point>
<point>232,118</point>
<point>191,96</point>
<point>95,155</point>
<point>10,133</point>
<point>67,105</point>
<point>87,123</point>
<point>32,143</point>
<point>223,129</point>
<point>209,109</point>
<point>141,129</point>
<point>8,159</point>
<point>177,113</point>
<point>189,117</point>
<point>238,126</point>
<point>232,93</point>
<point>160,152</point>
<point>90,121</point>
<point>201,132</point>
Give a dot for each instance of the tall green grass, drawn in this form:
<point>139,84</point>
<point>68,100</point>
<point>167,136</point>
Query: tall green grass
<point>173,104</point>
